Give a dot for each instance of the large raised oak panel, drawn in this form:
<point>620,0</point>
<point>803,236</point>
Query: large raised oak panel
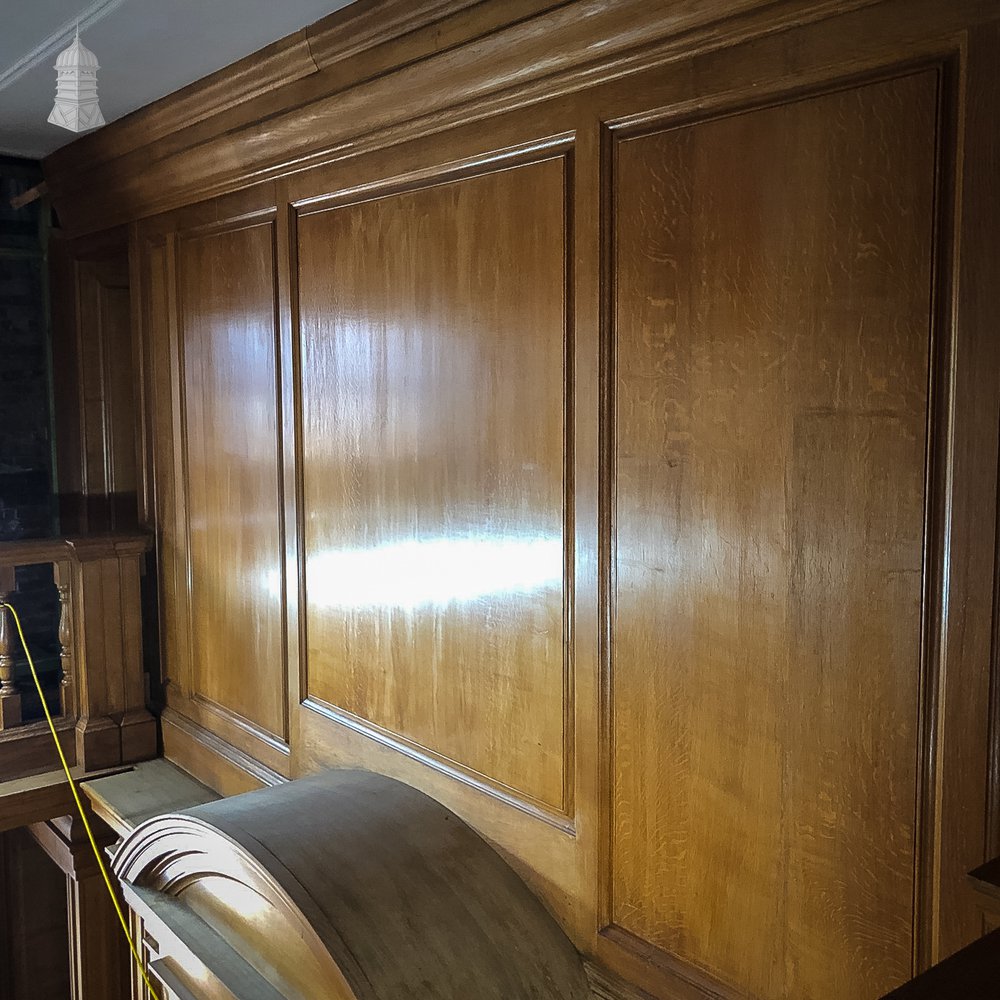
<point>772,331</point>
<point>436,523</point>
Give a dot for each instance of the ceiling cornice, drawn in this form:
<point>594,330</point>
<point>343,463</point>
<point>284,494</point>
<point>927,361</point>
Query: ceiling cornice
<point>50,45</point>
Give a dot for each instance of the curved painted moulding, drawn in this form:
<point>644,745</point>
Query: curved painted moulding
<point>343,886</point>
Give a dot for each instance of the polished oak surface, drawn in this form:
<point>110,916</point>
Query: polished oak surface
<point>433,333</point>
<point>233,490</point>
<point>94,382</point>
<point>743,748</point>
<point>771,399</point>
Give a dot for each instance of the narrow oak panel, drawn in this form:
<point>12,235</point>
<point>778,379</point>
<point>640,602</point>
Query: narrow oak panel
<point>772,324</point>
<point>433,337</point>
<point>104,318</point>
<point>171,550</point>
<point>120,403</point>
<point>227,292</point>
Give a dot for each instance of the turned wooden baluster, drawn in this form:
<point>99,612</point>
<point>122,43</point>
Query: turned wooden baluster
<point>67,688</point>
<point>10,697</point>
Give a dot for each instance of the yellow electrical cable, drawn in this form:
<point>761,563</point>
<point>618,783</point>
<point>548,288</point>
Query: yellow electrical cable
<point>79,804</point>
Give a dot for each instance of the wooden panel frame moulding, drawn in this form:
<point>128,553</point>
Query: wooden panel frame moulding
<point>948,57</point>
<point>153,246</point>
<point>605,985</point>
<point>513,63</point>
<point>272,749</point>
<point>559,146</point>
<point>150,262</point>
<point>138,288</point>
<point>970,225</point>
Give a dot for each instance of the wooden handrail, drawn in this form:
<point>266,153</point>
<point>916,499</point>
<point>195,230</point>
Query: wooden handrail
<point>30,551</point>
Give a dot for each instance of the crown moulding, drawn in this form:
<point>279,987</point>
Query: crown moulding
<point>347,32</point>
<point>374,73</point>
<point>379,72</point>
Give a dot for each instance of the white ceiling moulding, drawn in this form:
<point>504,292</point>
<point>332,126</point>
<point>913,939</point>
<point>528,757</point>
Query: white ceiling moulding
<point>55,42</point>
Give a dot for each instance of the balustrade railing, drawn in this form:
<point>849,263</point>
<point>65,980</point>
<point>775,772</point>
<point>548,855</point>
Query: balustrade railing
<point>97,694</point>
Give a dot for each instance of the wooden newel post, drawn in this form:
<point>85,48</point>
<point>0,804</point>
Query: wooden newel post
<point>104,622</point>
<point>10,697</point>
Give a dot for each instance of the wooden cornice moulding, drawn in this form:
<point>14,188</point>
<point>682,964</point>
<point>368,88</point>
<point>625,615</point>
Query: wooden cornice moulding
<point>367,23</point>
<point>346,33</point>
<point>310,99</point>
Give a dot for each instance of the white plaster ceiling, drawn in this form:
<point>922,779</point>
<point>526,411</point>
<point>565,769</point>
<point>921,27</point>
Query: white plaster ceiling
<point>146,48</point>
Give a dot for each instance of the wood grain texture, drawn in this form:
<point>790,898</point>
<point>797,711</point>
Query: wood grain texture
<point>95,410</point>
<point>833,714</point>
<point>349,32</point>
<point>968,549</point>
<point>106,356</point>
<point>433,329</point>
<point>772,337</point>
<point>226,288</point>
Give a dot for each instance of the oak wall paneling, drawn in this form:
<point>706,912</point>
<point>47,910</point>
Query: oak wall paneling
<point>966,684</point>
<point>105,339</point>
<point>157,503</point>
<point>950,833</point>
<point>231,465</point>
<point>768,536</point>
<point>222,498</point>
<point>764,776</point>
<point>441,188</point>
<point>94,376</point>
<point>458,61</point>
<point>980,187</point>
<point>415,363</point>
